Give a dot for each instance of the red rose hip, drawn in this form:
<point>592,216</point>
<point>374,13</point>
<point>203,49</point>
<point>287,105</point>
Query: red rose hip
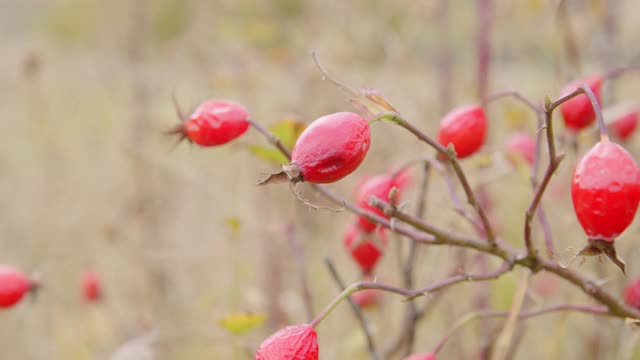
<point>379,186</point>
<point>578,112</point>
<point>605,190</point>
<point>425,356</point>
<point>366,249</point>
<point>521,145</point>
<point>624,126</point>
<point>632,294</point>
<point>466,128</point>
<point>329,149</point>
<point>298,342</point>
<point>91,287</point>
<point>13,286</point>
<point>214,122</point>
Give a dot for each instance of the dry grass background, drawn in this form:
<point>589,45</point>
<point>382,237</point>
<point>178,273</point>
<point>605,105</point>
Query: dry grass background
<point>87,180</point>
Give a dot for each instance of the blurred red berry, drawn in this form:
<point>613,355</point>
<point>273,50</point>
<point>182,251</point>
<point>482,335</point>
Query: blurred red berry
<point>466,128</point>
<point>91,287</point>
<point>521,145</point>
<point>606,191</point>
<point>365,248</point>
<point>425,356</point>
<point>624,126</point>
<point>378,186</point>
<point>578,112</point>
<point>632,294</point>
<point>298,342</point>
<point>13,286</point>
<point>214,122</point>
<point>367,298</point>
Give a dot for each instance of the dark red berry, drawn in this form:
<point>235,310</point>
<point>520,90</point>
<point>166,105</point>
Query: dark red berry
<point>379,186</point>
<point>632,294</point>
<point>624,126</point>
<point>522,146</point>
<point>91,287</point>
<point>578,112</point>
<point>606,191</point>
<point>214,122</point>
<point>464,127</point>
<point>366,249</point>
<point>298,342</point>
<point>425,356</point>
<point>13,286</point>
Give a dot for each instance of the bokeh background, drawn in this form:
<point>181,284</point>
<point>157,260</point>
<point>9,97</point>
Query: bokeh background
<point>183,239</point>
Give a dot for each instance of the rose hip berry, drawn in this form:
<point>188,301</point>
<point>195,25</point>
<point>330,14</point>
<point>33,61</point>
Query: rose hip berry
<point>13,286</point>
<point>298,342</point>
<point>214,122</point>
<point>624,126</point>
<point>366,249</point>
<point>578,112</point>
<point>425,356</point>
<point>466,128</point>
<point>91,287</point>
<point>379,186</point>
<point>521,145</point>
<point>632,294</point>
<point>605,192</point>
<point>367,298</point>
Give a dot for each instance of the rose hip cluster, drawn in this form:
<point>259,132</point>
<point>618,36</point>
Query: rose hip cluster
<point>605,185</point>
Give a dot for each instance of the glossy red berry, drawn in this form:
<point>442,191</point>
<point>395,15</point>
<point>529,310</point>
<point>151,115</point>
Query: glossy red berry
<point>379,186</point>
<point>214,122</point>
<point>366,249</point>
<point>632,294</point>
<point>425,356</point>
<point>464,127</point>
<point>606,191</point>
<point>624,126</point>
<point>91,287</point>
<point>578,112</point>
<point>522,146</point>
<point>331,148</point>
<point>298,342</point>
<point>13,286</point>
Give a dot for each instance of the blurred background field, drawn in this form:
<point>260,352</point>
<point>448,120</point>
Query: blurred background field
<point>183,238</point>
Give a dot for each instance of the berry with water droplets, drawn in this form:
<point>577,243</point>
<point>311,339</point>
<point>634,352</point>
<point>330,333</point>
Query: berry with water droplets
<point>365,248</point>
<point>298,342</point>
<point>605,190</point>
<point>521,146</point>
<point>214,122</point>
<point>13,286</point>
<point>466,128</point>
<point>625,125</point>
<point>578,112</point>
<point>91,287</point>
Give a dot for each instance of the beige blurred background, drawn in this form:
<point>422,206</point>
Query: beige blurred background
<point>183,238</point>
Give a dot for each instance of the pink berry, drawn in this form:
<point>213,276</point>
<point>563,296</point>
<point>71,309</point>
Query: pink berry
<point>214,122</point>
<point>632,294</point>
<point>578,112</point>
<point>298,342</point>
<point>379,186</point>
<point>521,145</point>
<point>367,298</point>
<point>466,128</point>
<point>13,286</point>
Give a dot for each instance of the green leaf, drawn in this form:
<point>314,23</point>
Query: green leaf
<point>239,323</point>
<point>287,130</point>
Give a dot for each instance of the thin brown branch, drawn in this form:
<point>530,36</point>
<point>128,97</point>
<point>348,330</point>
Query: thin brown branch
<point>364,323</point>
